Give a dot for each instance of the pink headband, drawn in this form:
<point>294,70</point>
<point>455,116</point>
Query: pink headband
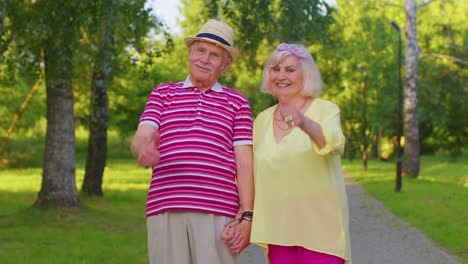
<point>298,51</point>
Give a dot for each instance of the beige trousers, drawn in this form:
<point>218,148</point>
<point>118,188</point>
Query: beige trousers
<point>184,237</point>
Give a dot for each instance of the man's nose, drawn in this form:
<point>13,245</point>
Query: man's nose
<point>205,58</point>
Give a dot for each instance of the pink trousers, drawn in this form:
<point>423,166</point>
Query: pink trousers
<point>299,255</point>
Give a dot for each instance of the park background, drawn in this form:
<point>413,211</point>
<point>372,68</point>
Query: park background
<point>75,75</point>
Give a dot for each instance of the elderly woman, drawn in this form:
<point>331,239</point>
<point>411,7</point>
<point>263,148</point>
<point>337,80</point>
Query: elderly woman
<point>301,211</point>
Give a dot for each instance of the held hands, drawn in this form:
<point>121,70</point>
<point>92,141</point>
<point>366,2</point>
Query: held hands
<point>237,234</point>
<point>150,155</point>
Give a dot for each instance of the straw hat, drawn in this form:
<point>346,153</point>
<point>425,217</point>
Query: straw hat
<point>218,33</point>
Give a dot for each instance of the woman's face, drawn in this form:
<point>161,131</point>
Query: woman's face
<point>287,78</point>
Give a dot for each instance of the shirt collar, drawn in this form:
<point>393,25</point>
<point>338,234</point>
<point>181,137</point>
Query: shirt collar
<point>188,83</point>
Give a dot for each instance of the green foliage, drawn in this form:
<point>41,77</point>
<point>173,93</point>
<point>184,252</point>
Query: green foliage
<point>340,38</point>
<point>10,103</point>
<point>372,42</point>
<point>253,23</point>
<point>21,42</point>
<point>133,50</point>
<point>259,26</point>
<point>442,81</point>
<point>194,15</point>
<point>25,147</point>
<point>369,42</point>
<point>304,21</point>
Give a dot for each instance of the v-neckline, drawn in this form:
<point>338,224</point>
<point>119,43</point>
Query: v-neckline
<point>275,135</point>
<point>277,140</point>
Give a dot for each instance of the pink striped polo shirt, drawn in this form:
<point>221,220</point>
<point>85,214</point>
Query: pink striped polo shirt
<point>198,131</point>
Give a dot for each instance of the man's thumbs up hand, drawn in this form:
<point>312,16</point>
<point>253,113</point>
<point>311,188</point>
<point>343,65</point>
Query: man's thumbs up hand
<point>150,155</point>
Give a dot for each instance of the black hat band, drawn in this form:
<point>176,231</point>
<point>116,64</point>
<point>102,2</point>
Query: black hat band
<point>213,37</point>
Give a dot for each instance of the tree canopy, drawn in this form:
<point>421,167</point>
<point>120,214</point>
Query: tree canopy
<point>342,39</point>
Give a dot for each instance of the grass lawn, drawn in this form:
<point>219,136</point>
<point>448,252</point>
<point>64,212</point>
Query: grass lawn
<point>436,202</point>
<point>112,229</point>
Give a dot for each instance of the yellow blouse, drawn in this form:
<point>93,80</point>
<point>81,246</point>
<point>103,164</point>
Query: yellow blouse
<point>300,196</point>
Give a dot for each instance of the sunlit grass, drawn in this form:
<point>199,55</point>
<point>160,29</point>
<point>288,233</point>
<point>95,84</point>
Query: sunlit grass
<point>111,229</point>
<point>436,202</point>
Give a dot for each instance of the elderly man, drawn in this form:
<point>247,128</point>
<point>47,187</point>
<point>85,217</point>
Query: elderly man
<point>197,137</point>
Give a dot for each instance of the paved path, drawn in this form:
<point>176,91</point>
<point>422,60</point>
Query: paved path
<point>377,236</point>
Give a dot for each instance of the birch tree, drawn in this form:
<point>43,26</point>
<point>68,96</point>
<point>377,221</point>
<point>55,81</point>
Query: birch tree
<point>99,116</point>
<point>115,26</point>
<point>411,160</point>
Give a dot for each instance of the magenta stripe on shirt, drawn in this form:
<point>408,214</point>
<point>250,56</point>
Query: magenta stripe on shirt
<point>197,168</point>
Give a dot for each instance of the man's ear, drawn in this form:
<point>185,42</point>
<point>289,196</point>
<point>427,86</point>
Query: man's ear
<point>226,65</point>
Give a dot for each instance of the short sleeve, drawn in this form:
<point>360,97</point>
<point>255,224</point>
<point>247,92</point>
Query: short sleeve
<point>153,109</point>
<point>243,134</point>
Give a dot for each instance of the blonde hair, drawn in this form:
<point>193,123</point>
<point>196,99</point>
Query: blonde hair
<point>312,79</point>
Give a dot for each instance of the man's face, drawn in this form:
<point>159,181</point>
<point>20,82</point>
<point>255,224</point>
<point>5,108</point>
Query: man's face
<point>207,63</point>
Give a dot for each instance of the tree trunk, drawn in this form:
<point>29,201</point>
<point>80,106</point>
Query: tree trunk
<point>58,187</point>
<point>97,144</point>
<point>411,159</point>
<point>379,143</point>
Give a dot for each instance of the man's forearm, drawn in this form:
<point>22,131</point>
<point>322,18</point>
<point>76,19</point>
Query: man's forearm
<point>246,192</point>
<point>141,139</point>
<point>245,178</point>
